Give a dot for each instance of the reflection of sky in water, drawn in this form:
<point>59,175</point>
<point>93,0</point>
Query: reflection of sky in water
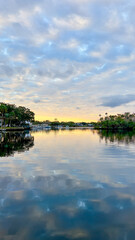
<point>70,185</point>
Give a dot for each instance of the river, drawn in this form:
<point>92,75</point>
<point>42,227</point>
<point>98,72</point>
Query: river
<point>67,184</point>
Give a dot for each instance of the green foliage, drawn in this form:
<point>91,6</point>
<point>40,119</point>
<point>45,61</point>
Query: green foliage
<point>119,121</point>
<point>15,115</point>
<point>54,123</point>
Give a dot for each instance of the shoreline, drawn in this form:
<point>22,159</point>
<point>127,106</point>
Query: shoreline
<point>13,129</point>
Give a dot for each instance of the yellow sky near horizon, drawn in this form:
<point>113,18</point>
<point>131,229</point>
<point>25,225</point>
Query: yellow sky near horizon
<point>92,118</point>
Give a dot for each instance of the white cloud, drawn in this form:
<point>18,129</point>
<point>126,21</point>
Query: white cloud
<point>113,21</point>
<point>73,22</point>
<point>71,44</point>
<point>55,51</point>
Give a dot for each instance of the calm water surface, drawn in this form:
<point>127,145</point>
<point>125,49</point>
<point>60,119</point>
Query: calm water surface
<point>61,185</point>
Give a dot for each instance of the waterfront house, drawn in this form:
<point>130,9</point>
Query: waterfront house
<point>90,125</point>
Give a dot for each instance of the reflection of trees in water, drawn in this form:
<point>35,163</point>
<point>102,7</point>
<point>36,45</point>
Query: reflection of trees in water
<point>120,136</point>
<point>11,142</point>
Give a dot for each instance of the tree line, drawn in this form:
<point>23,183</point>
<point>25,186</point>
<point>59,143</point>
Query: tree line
<point>119,121</point>
<point>12,115</point>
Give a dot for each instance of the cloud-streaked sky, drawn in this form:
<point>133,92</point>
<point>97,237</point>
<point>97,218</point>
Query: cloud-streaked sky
<point>68,59</point>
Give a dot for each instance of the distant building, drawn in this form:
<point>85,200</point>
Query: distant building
<point>90,124</point>
<point>27,125</point>
<point>79,124</point>
<point>46,126</point>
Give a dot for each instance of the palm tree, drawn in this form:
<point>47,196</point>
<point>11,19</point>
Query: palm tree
<point>3,110</point>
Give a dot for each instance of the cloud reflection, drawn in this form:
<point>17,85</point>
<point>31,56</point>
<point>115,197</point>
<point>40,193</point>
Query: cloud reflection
<point>57,207</point>
<point>70,185</point>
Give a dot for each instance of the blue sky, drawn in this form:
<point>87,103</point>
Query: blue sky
<point>68,59</point>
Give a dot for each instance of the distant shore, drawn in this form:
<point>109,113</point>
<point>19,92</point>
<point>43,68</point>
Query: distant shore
<point>48,127</point>
<point>23,128</point>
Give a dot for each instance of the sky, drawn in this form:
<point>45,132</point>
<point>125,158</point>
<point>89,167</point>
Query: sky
<point>68,59</point>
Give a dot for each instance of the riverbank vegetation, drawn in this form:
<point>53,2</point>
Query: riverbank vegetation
<point>124,121</point>
<point>11,115</point>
